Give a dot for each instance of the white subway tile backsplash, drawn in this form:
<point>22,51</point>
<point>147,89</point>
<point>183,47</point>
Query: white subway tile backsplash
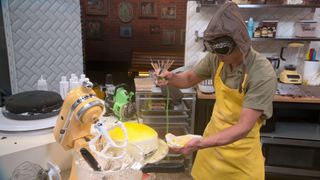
<point>43,38</point>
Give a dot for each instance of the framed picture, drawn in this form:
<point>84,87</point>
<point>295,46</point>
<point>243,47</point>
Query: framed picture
<point>168,37</point>
<point>154,29</point>
<point>125,31</point>
<point>125,11</point>
<point>97,7</point>
<point>168,11</point>
<point>94,29</point>
<point>182,36</point>
<point>147,9</point>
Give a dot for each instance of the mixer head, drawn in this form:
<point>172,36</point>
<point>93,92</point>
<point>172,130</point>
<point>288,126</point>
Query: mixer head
<point>81,108</point>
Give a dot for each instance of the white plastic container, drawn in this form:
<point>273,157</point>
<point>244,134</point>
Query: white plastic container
<point>310,70</point>
<point>74,81</point>
<point>42,84</point>
<point>82,79</point>
<point>64,87</point>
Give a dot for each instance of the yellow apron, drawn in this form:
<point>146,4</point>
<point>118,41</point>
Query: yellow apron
<point>241,160</point>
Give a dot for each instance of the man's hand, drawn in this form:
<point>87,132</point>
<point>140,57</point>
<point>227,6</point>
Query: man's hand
<point>162,77</point>
<point>193,145</point>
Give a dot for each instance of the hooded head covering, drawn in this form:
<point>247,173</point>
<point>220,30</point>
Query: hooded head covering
<point>228,21</point>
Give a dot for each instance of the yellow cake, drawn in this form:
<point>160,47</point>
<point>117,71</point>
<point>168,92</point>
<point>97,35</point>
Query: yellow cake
<point>139,134</point>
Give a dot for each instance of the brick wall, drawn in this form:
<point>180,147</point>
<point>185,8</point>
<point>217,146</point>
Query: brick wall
<point>113,48</point>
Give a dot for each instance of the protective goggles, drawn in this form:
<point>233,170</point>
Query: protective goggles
<point>220,46</point>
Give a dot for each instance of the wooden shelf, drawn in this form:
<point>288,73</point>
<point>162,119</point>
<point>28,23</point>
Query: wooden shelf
<point>210,3</point>
<point>287,39</point>
<point>277,6</point>
<point>278,38</point>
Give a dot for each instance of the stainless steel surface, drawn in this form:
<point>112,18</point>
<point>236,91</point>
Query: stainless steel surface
<point>292,171</point>
<point>181,120</point>
<point>293,142</point>
<point>299,131</point>
<point>291,90</point>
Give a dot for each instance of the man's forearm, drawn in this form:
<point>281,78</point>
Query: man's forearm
<point>184,80</point>
<point>224,137</point>
<point>247,121</point>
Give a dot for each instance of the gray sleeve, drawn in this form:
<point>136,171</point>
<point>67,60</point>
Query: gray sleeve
<point>260,95</point>
<point>205,68</point>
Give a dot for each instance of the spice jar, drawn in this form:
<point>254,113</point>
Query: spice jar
<point>257,32</point>
<point>264,32</point>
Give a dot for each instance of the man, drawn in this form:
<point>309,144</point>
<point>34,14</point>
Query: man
<point>245,83</point>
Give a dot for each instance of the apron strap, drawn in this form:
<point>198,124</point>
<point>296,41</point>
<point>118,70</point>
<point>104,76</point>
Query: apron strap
<point>243,77</point>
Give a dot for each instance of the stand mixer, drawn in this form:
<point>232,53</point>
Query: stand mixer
<point>81,126</point>
<point>290,75</point>
<point>79,111</point>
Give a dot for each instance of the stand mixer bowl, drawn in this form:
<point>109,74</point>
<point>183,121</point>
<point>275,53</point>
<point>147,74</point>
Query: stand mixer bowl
<point>85,172</point>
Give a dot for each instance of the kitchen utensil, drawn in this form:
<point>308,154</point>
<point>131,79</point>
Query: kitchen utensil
<point>290,76</point>
<point>295,55</point>
<point>161,66</point>
<point>310,70</point>
<point>134,162</point>
<point>122,105</point>
<point>206,86</point>
<point>275,61</point>
<point>112,169</point>
<point>102,143</point>
<point>90,159</point>
<point>150,162</point>
<point>29,170</point>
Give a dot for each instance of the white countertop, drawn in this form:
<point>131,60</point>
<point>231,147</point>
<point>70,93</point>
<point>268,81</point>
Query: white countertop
<point>19,135</point>
<point>11,142</point>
